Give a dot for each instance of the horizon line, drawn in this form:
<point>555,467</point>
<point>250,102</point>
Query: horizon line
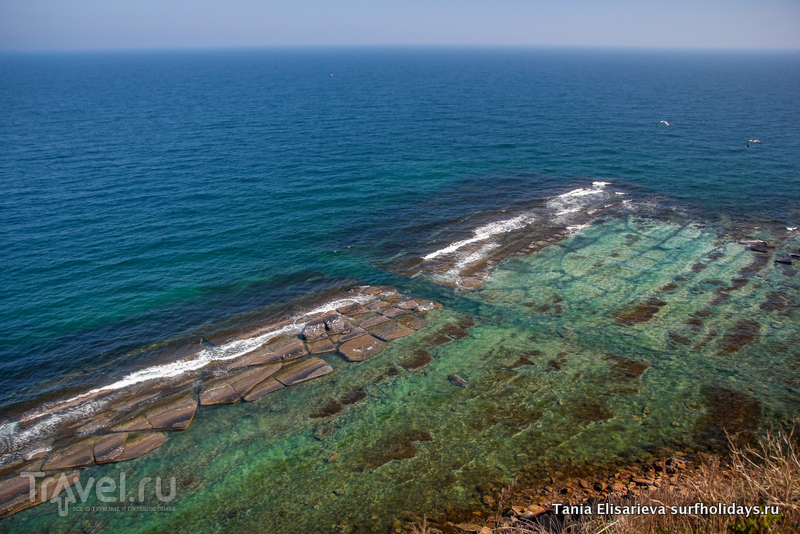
<point>231,48</point>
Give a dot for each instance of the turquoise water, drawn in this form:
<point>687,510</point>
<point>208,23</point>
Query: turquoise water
<point>153,198</point>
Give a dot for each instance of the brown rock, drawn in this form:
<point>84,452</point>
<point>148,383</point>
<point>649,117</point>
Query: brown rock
<point>267,386</point>
<point>223,394</point>
<point>416,359</point>
<point>52,486</point>
<point>351,309</point>
<point>139,444</point>
<point>289,350</point>
<point>176,416</point>
<point>302,371</point>
<point>470,283</point>
<point>374,321</point>
<point>352,334</point>
<point>109,448</point>
<point>644,481</point>
<point>427,305</point>
<point>337,324</point>
<point>361,348</point>
<point>369,290</point>
<point>457,381</point>
<point>12,489</point>
<point>389,331</point>
<point>314,330</point>
<point>393,312</point>
<point>75,455</point>
<point>413,322</point>
<point>260,356</point>
<point>321,345</point>
<point>245,383</point>
<point>409,304</point>
<point>378,305</point>
<point>137,423</point>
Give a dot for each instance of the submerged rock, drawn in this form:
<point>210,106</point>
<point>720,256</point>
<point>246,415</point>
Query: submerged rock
<point>457,381</point>
<point>470,283</point>
<point>412,321</point>
<point>389,330</point>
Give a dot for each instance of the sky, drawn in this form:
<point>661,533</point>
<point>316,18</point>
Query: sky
<point>64,25</point>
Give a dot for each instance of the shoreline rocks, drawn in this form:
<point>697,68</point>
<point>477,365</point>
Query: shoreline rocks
<point>131,424</point>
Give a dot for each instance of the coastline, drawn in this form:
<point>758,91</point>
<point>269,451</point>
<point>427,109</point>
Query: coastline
<point>466,265</point>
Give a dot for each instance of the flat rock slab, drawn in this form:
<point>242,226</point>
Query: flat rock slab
<point>413,322</point>
<point>378,305</point>
<point>50,487</point>
<point>470,283</point>
<point>361,348</point>
<point>109,448</point>
<point>267,386</point>
<point>15,493</point>
<point>13,488</point>
<point>351,309</point>
<point>139,444</point>
<point>352,334</point>
<point>222,394</point>
<point>260,356</point>
<point>788,259</point>
<point>390,330</point>
<point>76,455</point>
<point>177,416</point>
<point>289,349</point>
<point>131,425</point>
<point>374,321</point>
<point>393,312</point>
<point>321,345</point>
<point>302,371</point>
<point>245,383</point>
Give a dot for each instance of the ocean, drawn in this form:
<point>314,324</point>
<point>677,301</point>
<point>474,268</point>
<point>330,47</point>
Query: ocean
<point>151,199</point>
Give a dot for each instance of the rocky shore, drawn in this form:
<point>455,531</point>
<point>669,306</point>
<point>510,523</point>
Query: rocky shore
<point>138,421</point>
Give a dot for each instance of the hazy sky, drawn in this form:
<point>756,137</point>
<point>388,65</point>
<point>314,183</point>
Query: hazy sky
<point>131,24</point>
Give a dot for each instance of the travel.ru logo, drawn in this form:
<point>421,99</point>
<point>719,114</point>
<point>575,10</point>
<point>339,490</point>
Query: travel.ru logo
<point>65,491</point>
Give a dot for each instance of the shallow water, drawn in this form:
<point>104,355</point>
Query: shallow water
<point>636,336</point>
<point>151,199</point>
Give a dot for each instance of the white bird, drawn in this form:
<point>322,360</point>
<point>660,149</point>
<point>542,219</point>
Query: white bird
<point>663,122</point>
<point>791,228</point>
<point>753,141</point>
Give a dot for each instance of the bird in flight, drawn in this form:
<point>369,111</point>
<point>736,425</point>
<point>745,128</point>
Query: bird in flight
<point>663,122</point>
<point>753,141</point>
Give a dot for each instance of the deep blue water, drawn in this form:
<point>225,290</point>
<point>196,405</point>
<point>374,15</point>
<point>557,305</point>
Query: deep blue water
<point>150,197</point>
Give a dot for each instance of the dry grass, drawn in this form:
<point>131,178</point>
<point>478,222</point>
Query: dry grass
<point>765,475</point>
